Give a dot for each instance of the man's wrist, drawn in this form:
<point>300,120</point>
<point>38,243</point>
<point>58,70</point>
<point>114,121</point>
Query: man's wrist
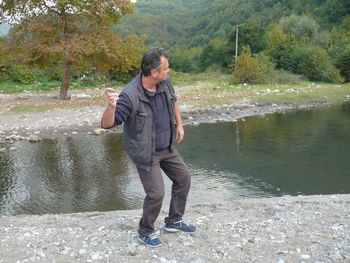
<point>111,107</point>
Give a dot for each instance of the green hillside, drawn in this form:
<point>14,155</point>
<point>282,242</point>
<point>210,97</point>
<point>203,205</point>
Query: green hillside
<point>194,23</point>
<point>310,38</point>
<point>279,41</point>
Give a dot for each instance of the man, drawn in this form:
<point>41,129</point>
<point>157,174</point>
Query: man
<point>149,109</point>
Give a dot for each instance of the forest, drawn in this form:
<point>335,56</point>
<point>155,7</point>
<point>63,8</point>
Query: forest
<point>309,38</point>
<point>276,40</point>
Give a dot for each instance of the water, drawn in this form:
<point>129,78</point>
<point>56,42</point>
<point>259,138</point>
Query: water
<point>300,152</point>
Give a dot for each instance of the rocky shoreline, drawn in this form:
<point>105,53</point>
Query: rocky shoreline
<point>281,230</point>
<point>86,120</point>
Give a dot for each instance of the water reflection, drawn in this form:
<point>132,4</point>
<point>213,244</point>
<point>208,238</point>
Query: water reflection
<point>65,175</point>
<point>300,152</point>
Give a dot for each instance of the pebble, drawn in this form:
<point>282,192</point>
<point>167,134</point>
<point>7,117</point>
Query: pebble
<point>195,123</point>
<point>99,131</point>
<point>63,250</point>
<point>305,256</point>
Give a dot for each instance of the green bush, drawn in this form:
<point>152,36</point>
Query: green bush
<point>22,74</point>
<point>123,77</point>
<point>4,72</point>
<point>253,69</point>
<point>343,64</point>
<point>315,64</point>
<point>54,73</point>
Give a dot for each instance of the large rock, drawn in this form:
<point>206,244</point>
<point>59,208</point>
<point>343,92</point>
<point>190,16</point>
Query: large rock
<point>34,138</point>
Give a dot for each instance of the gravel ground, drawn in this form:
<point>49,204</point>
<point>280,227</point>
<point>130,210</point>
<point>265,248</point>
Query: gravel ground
<point>285,229</point>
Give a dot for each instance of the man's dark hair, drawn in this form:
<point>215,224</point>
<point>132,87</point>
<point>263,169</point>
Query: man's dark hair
<point>151,60</point>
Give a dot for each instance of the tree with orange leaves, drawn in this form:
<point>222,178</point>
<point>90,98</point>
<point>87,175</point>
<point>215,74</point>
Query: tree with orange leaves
<point>75,33</point>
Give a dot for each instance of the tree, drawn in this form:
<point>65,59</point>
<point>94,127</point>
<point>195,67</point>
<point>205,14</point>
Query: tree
<point>304,29</point>
<point>280,45</point>
<point>75,33</point>
<point>214,53</point>
<point>252,34</point>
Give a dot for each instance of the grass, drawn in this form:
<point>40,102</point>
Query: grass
<point>13,87</point>
<point>305,94</point>
<point>186,79</point>
<point>9,87</point>
<point>42,108</point>
<point>219,89</point>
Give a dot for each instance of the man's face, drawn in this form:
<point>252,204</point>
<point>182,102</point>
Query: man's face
<point>161,73</point>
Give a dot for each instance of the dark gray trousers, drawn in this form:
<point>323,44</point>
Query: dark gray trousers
<point>175,168</point>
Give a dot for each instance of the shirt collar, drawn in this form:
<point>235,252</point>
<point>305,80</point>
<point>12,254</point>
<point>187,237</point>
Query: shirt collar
<point>160,88</point>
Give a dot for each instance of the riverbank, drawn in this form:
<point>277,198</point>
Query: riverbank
<point>213,100</point>
<point>285,229</point>
<point>84,119</point>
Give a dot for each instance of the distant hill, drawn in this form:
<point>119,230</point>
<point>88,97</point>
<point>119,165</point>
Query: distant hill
<point>4,29</point>
<point>193,23</point>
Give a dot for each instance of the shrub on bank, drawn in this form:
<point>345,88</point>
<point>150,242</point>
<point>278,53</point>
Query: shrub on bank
<point>315,64</point>
<point>22,74</point>
<point>253,69</point>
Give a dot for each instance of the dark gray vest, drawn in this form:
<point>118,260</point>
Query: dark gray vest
<point>139,130</point>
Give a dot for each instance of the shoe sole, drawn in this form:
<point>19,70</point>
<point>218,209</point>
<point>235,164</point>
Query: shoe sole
<point>148,245</point>
<point>171,229</point>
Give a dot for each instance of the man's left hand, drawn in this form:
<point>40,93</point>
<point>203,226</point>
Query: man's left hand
<point>180,133</point>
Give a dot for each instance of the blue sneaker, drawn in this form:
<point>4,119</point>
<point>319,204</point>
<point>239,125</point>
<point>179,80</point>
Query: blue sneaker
<point>151,241</point>
<point>180,226</point>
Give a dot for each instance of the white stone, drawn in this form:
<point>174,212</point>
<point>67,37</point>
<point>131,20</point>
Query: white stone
<point>96,256</point>
<point>81,96</point>
<point>82,251</point>
<point>99,131</point>
<point>34,138</point>
<point>305,256</point>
